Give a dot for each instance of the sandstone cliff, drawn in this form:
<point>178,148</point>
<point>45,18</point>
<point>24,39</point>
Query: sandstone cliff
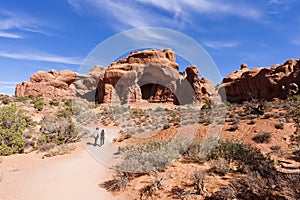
<point>278,81</point>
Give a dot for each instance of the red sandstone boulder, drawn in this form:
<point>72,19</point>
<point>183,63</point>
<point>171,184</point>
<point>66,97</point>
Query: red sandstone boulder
<point>48,84</point>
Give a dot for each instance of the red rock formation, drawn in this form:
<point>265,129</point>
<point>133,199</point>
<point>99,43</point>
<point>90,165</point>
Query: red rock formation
<point>48,84</point>
<point>278,81</point>
<point>65,84</point>
<point>152,75</point>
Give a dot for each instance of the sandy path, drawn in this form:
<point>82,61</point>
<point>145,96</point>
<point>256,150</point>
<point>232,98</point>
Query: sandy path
<point>68,177</point>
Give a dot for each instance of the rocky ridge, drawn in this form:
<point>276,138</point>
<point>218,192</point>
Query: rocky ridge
<point>278,81</point>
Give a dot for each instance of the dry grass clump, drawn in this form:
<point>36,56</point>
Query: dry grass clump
<point>150,190</point>
<point>263,138</point>
<point>219,166</point>
<point>60,150</point>
<point>118,183</point>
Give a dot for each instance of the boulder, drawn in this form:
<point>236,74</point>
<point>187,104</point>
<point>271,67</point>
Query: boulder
<point>48,84</point>
<point>278,81</point>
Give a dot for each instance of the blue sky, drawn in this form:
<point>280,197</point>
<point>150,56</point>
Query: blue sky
<point>59,34</point>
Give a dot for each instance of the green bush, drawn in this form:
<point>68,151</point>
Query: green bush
<point>58,132</point>
<point>67,102</point>
<point>22,99</point>
<point>54,102</point>
<point>12,124</point>
<point>246,155</point>
<point>38,102</point>
<point>5,100</point>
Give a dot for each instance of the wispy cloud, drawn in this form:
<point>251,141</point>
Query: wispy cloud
<point>215,7</point>
<point>277,7</point>
<point>220,44</point>
<point>295,42</point>
<point>7,87</point>
<point>141,13</point>
<point>10,22</point>
<point>44,57</point>
<point>8,83</point>
<point>10,35</point>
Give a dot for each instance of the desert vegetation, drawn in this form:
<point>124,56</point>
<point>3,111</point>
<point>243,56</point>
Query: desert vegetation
<point>22,130</point>
<point>256,157</point>
<point>246,163</point>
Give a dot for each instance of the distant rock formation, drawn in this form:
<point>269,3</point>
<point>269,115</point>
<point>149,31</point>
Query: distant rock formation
<point>152,75</point>
<point>48,84</point>
<point>63,84</point>
<point>278,81</point>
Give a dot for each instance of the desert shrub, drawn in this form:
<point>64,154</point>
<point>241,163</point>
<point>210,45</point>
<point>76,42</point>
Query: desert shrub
<point>263,137</point>
<point>275,148</point>
<point>59,150</point>
<point>39,105</point>
<point>254,186</point>
<point>244,154</point>
<point>251,122</point>
<point>198,178</point>
<point>149,156</point>
<point>150,190</point>
<point>21,99</point>
<point>5,100</point>
<point>255,107</point>
<point>67,102</point>
<point>76,110</point>
<point>192,153</point>
<point>6,150</point>
<point>279,125</point>
<point>65,113</point>
<point>166,126</point>
<point>54,102</point>
<point>27,135</point>
<point>46,146</point>
<point>219,166</point>
<point>12,124</point>
<point>59,132</point>
<point>119,182</point>
<point>29,143</point>
<point>234,127</point>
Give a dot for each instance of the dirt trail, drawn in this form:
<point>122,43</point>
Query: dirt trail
<point>74,176</point>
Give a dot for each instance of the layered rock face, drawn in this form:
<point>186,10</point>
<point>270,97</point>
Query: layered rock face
<point>152,75</point>
<point>48,84</point>
<point>278,81</point>
<point>86,85</point>
<point>63,84</point>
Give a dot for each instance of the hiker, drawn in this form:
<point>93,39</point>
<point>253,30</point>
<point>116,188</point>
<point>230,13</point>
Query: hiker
<point>96,136</point>
<point>102,137</point>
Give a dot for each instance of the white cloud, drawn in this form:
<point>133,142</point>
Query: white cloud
<point>220,44</point>
<point>295,42</point>
<point>11,21</point>
<point>7,87</point>
<point>8,83</point>
<point>44,57</point>
<point>139,13</point>
<point>10,35</point>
